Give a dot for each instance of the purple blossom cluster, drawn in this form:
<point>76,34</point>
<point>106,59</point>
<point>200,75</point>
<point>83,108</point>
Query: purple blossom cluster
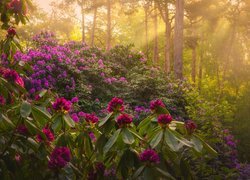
<point>232,152</point>
<point>59,158</point>
<point>154,104</point>
<point>49,135</point>
<point>116,104</point>
<point>124,120</point>
<point>149,156</point>
<point>61,104</point>
<point>2,100</point>
<point>12,76</point>
<point>164,119</point>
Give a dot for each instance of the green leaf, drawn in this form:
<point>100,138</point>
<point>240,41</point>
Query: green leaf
<point>41,111</point>
<point>138,172</point>
<point>162,110</point>
<point>127,136</point>
<point>32,127</point>
<point>145,122</point>
<point>171,140</point>
<point>57,124</point>
<point>156,140</point>
<point>207,147</point>
<point>25,109</point>
<point>135,134</point>
<point>103,121</point>
<point>111,141</point>
<point>197,144</point>
<point>6,121</point>
<point>69,120</point>
<point>164,173</point>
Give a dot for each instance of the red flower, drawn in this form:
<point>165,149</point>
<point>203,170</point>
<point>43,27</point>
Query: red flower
<point>116,104</point>
<point>164,119</point>
<point>2,100</point>
<point>124,120</point>
<point>61,104</point>
<point>154,104</point>
<point>22,129</point>
<point>49,135</point>
<point>16,6</point>
<point>13,76</point>
<point>190,126</point>
<point>11,32</point>
<point>91,118</point>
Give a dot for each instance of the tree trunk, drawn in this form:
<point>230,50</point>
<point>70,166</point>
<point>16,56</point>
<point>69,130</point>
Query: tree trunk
<point>83,21</point>
<point>146,28</point>
<point>178,39</point>
<point>156,53</point>
<point>94,25</point>
<point>167,41</point>
<point>108,43</point>
<point>194,64</point>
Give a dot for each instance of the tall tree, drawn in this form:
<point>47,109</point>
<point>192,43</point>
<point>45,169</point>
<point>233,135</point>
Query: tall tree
<point>178,39</point>
<point>95,7</point>
<point>109,30</point>
<point>163,7</point>
<point>156,50</point>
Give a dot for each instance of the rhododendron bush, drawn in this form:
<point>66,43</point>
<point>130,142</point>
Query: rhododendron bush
<point>40,133</point>
<point>70,111</point>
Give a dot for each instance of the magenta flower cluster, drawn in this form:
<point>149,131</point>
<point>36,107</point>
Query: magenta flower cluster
<point>11,75</point>
<point>91,118</point>
<point>164,119</point>
<point>149,156</point>
<point>124,120</point>
<point>49,135</point>
<point>116,104</point>
<point>190,126</point>
<point>154,104</point>
<point>61,104</point>
<point>59,158</point>
<point>2,100</point>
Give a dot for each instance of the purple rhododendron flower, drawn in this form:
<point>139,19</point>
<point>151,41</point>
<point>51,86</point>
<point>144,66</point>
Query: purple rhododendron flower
<point>154,104</point>
<point>22,129</point>
<point>48,133</point>
<point>190,126</point>
<point>61,104</point>
<point>150,156</point>
<point>91,118</point>
<point>59,158</point>
<point>75,117</point>
<point>2,100</point>
<point>116,104</point>
<point>164,119</point>
<point>74,100</point>
<point>124,120</point>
